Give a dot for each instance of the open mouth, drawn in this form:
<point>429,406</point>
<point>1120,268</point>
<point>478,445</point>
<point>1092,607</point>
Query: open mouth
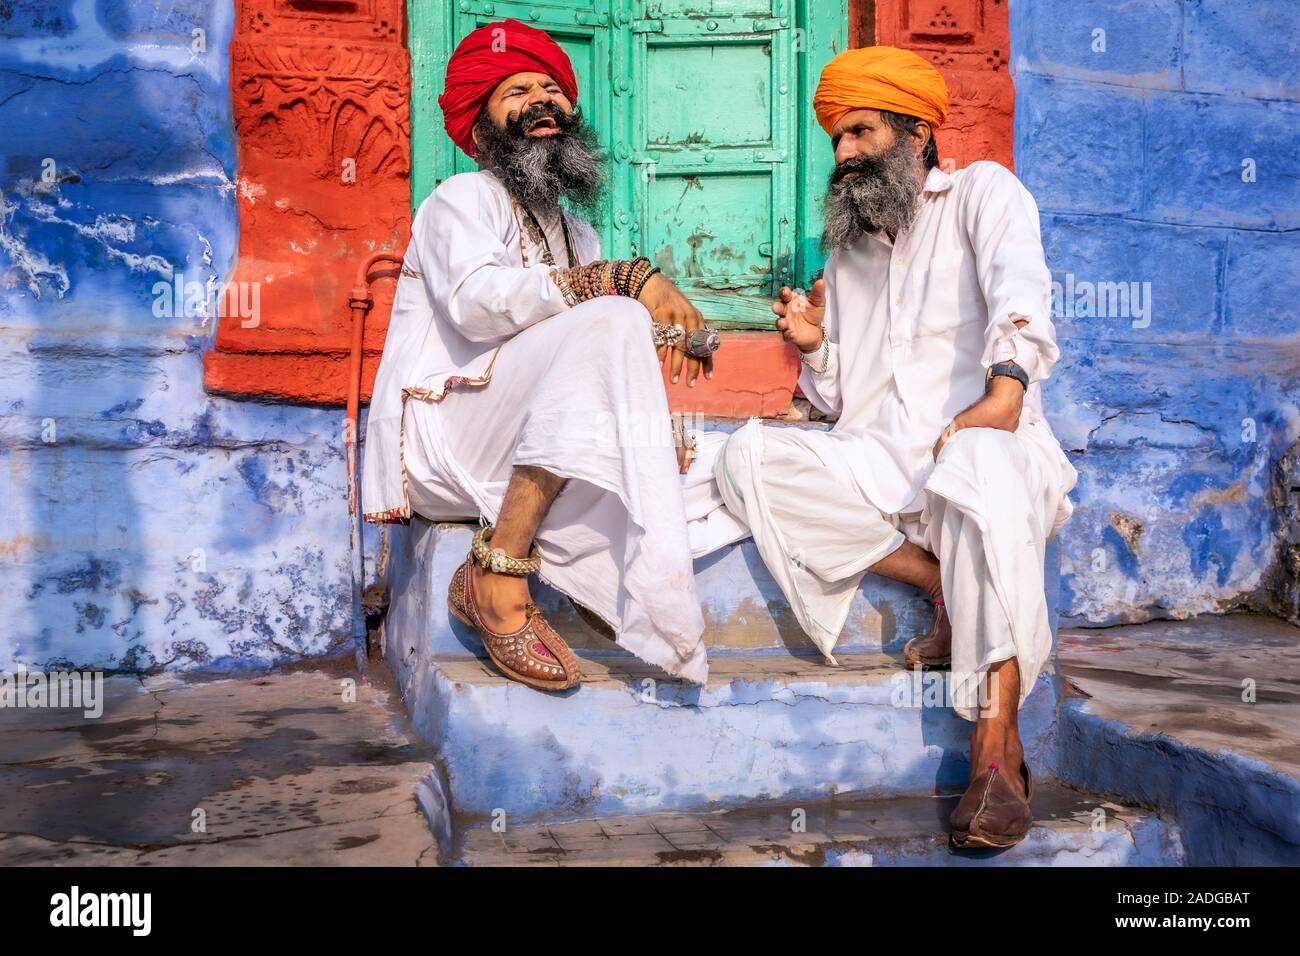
<point>544,126</point>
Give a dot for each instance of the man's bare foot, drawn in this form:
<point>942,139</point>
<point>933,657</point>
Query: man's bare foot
<point>935,648</point>
<point>501,599</point>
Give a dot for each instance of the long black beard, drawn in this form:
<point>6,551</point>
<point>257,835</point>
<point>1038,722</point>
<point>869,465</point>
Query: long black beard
<point>538,171</point>
<point>884,195</point>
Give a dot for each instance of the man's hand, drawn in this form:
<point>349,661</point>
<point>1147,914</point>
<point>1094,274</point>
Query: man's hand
<point>802,325</point>
<point>999,408</point>
<point>668,306</point>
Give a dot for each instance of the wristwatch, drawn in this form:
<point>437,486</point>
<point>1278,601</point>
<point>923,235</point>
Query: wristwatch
<point>1010,370</point>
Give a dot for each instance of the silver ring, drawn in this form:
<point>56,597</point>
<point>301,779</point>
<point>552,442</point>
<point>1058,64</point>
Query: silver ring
<point>668,335</point>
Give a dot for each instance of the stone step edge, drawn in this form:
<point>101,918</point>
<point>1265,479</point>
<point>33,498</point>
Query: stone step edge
<point>688,839</point>
<point>1154,769</point>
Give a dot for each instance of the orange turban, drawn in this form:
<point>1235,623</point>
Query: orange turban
<point>880,78</point>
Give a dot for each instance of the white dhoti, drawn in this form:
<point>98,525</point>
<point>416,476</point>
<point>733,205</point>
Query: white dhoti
<point>580,395</point>
<point>991,503</point>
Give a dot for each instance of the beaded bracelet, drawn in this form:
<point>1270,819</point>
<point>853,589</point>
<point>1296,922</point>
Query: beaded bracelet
<point>649,273</point>
<point>623,277</point>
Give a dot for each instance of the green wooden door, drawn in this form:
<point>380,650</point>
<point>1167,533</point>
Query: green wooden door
<point>704,107</point>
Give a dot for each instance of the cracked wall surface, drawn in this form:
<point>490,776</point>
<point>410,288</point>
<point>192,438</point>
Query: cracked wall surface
<point>147,523</point>
<point>1158,138</point>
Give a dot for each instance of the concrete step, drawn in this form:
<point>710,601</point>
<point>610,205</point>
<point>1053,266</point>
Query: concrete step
<point>1198,717</point>
<point>629,741</point>
<point>774,722</point>
<point>744,610</point>
<point>308,768</point>
<point>1071,829</point>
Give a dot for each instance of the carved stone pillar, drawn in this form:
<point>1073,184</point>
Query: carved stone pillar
<point>969,42</point>
<point>321,94</point>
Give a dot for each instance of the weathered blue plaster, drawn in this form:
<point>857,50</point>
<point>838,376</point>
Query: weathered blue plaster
<point>146,523</point>
<point>1166,162</point>
<point>1195,147</point>
<point>1141,40</point>
<point>1241,46</point>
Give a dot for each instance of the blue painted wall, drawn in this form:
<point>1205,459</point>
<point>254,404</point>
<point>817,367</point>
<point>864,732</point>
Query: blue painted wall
<point>148,522</point>
<point>1140,125</point>
<point>145,521</point>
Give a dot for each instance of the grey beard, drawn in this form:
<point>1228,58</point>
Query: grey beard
<point>537,172</point>
<point>885,195</point>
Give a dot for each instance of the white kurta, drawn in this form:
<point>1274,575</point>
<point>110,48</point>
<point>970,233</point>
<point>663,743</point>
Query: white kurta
<point>487,368</point>
<point>915,324</point>
<point>913,327</point>
<point>463,292</point>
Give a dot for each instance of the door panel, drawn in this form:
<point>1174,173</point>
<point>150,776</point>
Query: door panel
<point>686,8</point>
<point>683,118</point>
<point>713,137</point>
<point>711,231</point>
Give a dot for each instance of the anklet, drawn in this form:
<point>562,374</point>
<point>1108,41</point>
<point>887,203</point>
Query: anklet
<point>497,561</point>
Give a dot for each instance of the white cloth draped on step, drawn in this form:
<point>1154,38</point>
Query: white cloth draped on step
<point>580,395</point>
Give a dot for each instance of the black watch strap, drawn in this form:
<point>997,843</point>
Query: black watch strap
<point>1010,370</point>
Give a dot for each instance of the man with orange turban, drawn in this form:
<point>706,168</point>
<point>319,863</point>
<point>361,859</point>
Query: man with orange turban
<point>517,365</point>
<point>927,339</point>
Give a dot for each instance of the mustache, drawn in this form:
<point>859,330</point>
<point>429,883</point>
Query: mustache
<point>872,167</point>
<point>566,123</point>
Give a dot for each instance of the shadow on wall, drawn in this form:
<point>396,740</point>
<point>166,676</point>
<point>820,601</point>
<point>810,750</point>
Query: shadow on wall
<point>149,524</point>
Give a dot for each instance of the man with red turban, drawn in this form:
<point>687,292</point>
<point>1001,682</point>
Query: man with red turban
<point>927,340</point>
<point>521,382</point>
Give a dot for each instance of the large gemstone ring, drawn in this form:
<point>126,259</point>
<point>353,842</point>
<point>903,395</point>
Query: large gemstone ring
<point>702,342</point>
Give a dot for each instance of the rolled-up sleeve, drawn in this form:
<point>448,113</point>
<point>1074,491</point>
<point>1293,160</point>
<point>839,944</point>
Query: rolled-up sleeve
<point>461,234</point>
<point>1001,221</point>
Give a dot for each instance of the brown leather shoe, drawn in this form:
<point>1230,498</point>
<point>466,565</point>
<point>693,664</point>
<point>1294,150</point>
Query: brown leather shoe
<point>913,655</point>
<point>991,813</point>
<point>534,654</point>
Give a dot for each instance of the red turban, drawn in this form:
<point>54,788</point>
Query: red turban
<point>486,57</point>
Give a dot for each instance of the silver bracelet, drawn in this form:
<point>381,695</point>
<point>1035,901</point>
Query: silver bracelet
<point>824,349</point>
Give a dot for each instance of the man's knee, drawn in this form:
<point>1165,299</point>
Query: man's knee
<point>611,325</point>
<point>996,457</point>
<point>612,313</point>
<point>736,459</point>
<point>983,448</point>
